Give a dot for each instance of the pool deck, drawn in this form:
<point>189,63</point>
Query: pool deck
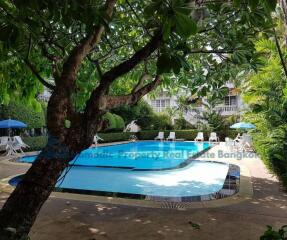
<point>260,202</point>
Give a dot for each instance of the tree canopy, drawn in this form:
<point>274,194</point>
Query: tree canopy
<point>201,42</point>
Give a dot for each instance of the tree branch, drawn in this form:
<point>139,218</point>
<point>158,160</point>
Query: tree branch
<point>37,74</point>
<point>140,83</point>
<point>218,23</point>
<point>116,101</point>
<point>212,51</point>
<point>138,18</point>
<point>74,61</point>
<point>97,64</point>
<point>125,67</point>
<point>280,53</point>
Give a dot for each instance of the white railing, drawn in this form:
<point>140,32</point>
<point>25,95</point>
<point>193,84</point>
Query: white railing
<point>226,108</point>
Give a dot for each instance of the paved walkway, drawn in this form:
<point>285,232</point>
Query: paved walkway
<point>70,219</point>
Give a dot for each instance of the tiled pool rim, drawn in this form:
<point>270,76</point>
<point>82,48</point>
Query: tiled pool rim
<point>230,187</point>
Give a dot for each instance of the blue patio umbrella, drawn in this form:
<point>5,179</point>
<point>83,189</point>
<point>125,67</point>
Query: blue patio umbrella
<point>243,125</point>
<point>10,123</point>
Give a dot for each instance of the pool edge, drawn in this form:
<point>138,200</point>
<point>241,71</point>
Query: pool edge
<point>245,193</point>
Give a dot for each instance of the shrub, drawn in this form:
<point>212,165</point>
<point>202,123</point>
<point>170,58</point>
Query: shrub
<point>120,123</point>
<point>161,121</point>
<point>33,117</point>
<point>135,112</point>
<point>155,121</point>
<point>215,120</point>
<point>115,137</point>
<point>35,143</point>
<point>271,234</point>
<point>147,135</point>
<point>181,124</point>
<point>115,122</point>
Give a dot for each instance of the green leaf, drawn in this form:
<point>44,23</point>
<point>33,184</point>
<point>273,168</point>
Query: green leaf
<point>67,123</point>
<point>253,3</point>
<point>236,3</point>
<point>164,64</point>
<point>270,4</point>
<point>185,26</point>
<point>167,29</point>
<point>176,65</point>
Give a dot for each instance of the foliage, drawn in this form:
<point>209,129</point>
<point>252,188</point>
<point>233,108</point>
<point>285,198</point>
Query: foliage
<point>35,143</point>
<point>155,121</point>
<point>34,118</point>
<point>215,120</point>
<point>265,92</point>
<point>271,234</point>
<point>115,137</point>
<point>115,122</point>
<point>181,124</point>
<point>135,112</point>
<point>43,33</point>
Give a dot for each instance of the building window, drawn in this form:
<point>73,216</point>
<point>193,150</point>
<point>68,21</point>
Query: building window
<point>157,103</point>
<point>160,104</point>
<point>230,100</point>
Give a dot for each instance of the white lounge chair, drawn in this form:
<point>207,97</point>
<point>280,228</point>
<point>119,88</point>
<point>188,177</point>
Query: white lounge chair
<point>171,136</point>
<point>10,145</point>
<point>247,142</point>
<point>16,146</point>
<point>238,137</point>
<point>199,137</point>
<point>213,137</point>
<point>160,136</point>
<point>244,144</point>
<point>4,143</point>
<point>20,142</point>
<point>97,138</point>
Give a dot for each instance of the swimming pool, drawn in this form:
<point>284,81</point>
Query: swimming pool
<point>137,155</point>
<point>148,170</point>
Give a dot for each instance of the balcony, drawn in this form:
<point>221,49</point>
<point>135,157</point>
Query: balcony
<point>222,109</point>
<point>227,110</point>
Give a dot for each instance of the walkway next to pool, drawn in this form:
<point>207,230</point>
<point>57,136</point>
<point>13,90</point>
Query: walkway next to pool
<point>76,219</point>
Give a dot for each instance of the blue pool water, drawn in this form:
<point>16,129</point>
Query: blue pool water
<point>198,178</point>
<point>137,155</point>
<point>151,169</point>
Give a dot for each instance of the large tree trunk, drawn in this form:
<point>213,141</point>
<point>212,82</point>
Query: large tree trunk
<point>20,210</point>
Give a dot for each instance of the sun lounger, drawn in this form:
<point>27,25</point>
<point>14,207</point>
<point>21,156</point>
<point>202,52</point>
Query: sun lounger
<point>160,136</point>
<point>97,138</point>
<point>199,137</point>
<point>4,144</point>
<point>20,142</point>
<point>171,136</point>
<point>213,137</point>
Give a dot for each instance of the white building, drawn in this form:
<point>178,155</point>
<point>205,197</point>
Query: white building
<point>231,105</point>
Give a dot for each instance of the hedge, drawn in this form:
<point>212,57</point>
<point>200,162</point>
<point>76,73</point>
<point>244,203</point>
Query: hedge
<point>115,122</point>
<point>35,143</point>
<point>185,134</point>
<point>115,137</point>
